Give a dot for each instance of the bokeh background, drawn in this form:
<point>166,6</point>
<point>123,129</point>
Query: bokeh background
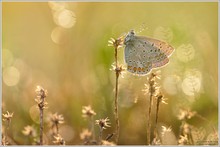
<point>64,48</point>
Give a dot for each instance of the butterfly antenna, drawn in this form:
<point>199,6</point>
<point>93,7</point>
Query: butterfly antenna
<point>142,28</point>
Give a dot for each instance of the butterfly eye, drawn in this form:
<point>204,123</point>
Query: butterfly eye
<point>143,50</point>
<point>132,32</point>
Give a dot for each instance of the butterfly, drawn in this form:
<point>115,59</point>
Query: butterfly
<point>142,54</point>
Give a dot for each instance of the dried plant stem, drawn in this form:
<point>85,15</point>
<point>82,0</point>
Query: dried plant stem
<point>57,128</point>
<point>41,95</point>
<point>7,129</point>
<point>92,127</point>
<point>117,72</point>
<point>149,120</point>
<point>190,138</point>
<point>4,143</point>
<point>100,135</point>
<point>41,124</point>
<point>157,111</point>
<point>181,128</point>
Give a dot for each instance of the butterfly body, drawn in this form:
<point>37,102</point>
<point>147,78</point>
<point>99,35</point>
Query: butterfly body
<point>142,54</point>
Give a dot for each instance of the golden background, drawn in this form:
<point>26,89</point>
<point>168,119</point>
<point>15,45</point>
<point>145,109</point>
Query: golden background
<point>64,48</point>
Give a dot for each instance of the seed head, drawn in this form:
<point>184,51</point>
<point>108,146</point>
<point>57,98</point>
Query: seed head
<point>165,130</point>
<point>87,111</point>
<point>8,116</point>
<point>55,119</point>
<point>160,98</point>
<point>183,140</point>
<point>41,93</point>
<point>185,114</point>
<point>58,140</point>
<point>103,123</point>
<point>29,131</point>
<point>85,134</point>
<point>117,43</point>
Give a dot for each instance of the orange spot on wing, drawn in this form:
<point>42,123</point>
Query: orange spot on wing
<point>135,69</point>
<point>139,69</point>
<point>129,67</point>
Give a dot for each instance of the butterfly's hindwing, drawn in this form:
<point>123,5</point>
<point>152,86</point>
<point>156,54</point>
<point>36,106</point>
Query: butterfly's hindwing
<point>135,63</point>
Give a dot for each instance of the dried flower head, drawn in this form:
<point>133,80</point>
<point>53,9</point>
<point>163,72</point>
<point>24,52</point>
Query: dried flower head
<point>155,75</point>
<point>160,98</point>
<point>156,141</point>
<point>183,140</point>
<point>120,70</point>
<point>8,116</point>
<point>105,142</point>
<point>165,130</point>
<point>29,131</point>
<point>185,114</point>
<point>103,123</point>
<point>87,111</point>
<point>117,43</point>
<point>85,134</point>
<point>151,86</point>
<point>41,93</point>
<point>59,140</point>
<point>55,119</point>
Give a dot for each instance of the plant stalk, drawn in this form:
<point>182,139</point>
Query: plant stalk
<point>117,71</point>
<point>41,108</point>
<point>149,121</point>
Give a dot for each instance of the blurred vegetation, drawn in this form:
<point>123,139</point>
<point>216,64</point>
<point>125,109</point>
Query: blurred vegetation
<point>63,48</point>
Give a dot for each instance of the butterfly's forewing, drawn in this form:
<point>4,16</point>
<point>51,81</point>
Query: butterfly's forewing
<point>147,52</point>
<point>163,46</point>
<point>157,51</point>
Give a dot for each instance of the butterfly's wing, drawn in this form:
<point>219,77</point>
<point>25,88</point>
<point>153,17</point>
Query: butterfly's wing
<point>165,48</point>
<point>155,51</point>
<point>135,63</point>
